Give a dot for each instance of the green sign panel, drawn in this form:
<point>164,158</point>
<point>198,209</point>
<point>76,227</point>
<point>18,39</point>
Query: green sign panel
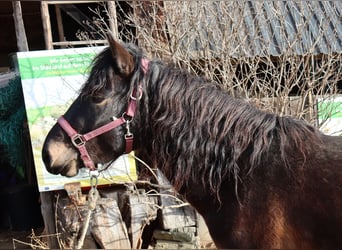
<point>59,65</point>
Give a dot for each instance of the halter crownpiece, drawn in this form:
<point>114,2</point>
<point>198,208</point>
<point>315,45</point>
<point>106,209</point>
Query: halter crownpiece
<point>79,140</point>
<point>144,64</point>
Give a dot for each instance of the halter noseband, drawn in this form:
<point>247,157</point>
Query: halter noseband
<point>79,140</point>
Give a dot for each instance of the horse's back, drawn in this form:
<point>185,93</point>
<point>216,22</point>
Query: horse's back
<point>311,209</point>
<point>298,206</point>
<point>323,192</point>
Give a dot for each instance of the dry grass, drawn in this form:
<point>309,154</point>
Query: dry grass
<point>210,38</point>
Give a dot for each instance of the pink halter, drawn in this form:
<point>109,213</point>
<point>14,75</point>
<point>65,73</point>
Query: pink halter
<point>79,140</point>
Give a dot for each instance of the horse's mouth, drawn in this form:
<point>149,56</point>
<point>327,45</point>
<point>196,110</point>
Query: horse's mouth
<point>70,169</point>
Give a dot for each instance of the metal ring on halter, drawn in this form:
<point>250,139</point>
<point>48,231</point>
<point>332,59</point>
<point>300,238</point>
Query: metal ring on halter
<point>140,94</point>
<point>126,117</point>
<point>94,174</point>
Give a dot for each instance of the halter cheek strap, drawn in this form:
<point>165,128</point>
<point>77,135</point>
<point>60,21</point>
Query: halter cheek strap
<point>79,140</point>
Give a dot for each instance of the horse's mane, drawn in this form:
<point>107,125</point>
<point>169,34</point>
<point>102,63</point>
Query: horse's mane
<point>202,133</point>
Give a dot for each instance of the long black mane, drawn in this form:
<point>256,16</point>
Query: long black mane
<point>208,131</point>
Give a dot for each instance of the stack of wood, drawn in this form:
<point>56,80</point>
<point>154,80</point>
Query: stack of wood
<point>128,217</point>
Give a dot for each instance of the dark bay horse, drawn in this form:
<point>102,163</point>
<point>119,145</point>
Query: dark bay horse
<point>259,180</point>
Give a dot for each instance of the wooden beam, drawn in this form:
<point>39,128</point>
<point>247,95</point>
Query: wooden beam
<point>48,213</point>
<point>108,228</point>
<point>72,1</point>
<point>87,42</point>
<point>19,27</point>
<point>59,23</point>
<point>171,215</point>
<point>113,23</point>
<point>46,25</point>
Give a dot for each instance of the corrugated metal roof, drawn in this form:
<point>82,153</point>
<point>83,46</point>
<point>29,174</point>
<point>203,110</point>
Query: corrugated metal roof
<point>261,28</point>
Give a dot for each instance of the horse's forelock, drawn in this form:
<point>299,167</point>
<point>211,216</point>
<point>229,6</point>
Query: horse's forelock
<point>102,70</point>
<point>98,76</point>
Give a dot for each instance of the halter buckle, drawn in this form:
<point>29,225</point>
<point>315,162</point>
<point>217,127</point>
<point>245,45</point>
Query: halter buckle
<point>128,130</point>
<point>78,140</point>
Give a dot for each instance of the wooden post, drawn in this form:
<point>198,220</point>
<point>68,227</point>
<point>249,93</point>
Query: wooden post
<point>108,227</point>
<point>19,27</point>
<point>59,24</point>
<point>137,210</point>
<point>113,24</point>
<point>48,214</point>
<point>46,25</point>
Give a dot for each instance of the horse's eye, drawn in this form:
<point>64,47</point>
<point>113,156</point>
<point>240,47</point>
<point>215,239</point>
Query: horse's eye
<point>97,99</point>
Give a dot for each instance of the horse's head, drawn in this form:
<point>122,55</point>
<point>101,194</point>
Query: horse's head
<point>94,128</point>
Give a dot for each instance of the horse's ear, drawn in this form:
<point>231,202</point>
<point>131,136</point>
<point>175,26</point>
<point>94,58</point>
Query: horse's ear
<point>122,58</point>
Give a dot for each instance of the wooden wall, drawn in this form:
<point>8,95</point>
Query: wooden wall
<point>31,11</point>
<point>33,26</point>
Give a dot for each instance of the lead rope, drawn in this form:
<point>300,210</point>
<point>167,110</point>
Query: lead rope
<point>93,196</point>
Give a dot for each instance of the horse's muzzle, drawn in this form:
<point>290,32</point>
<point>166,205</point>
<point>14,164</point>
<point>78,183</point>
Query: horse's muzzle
<point>59,158</point>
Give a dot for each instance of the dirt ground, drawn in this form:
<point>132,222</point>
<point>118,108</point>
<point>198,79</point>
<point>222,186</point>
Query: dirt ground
<point>22,239</point>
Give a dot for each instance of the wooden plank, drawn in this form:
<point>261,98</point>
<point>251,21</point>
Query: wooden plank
<point>72,1</point>
<point>19,27</point>
<point>47,208</point>
<point>66,43</point>
<point>46,25</point>
<point>166,244</point>
<point>173,213</point>
<point>185,234</point>
<point>113,23</point>
<point>107,227</point>
<point>140,210</point>
<point>59,23</point>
